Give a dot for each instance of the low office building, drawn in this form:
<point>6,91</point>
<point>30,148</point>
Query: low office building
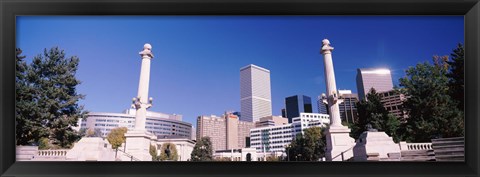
<point>243,154</point>
<point>156,123</point>
<point>276,138</point>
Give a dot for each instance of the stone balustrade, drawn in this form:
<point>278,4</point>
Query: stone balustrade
<point>52,153</point>
<point>415,146</point>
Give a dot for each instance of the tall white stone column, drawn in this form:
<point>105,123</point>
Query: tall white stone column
<point>138,140</point>
<point>339,143</point>
<point>332,95</point>
<point>141,102</point>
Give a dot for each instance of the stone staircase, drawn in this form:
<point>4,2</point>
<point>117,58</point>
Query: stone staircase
<point>129,156</point>
<point>449,149</point>
<point>418,155</point>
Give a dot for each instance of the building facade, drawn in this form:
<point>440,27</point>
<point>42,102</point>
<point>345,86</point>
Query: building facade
<point>296,104</point>
<point>393,102</point>
<point>255,93</point>
<point>368,78</point>
<point>156,123</point>
<point>271,121</point>
<point>225,132</point>
<point>348,108</point>
<point>276,138</point>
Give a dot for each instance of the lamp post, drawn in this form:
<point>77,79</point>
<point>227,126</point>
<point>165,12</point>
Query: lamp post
<point>288,149</point>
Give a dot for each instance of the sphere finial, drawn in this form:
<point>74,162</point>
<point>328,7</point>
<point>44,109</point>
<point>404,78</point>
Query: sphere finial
<point>326,42</point>
<point>147,51</point>
<point>326,48</point>
<point>147,46</point>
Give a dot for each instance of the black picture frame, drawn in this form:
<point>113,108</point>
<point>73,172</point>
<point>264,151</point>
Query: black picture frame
<point>10,9</point>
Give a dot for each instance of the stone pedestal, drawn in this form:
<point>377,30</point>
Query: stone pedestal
<point>339,144</point>
<point>26,153</point>
<point>138,144</point>
<point>371,142</point>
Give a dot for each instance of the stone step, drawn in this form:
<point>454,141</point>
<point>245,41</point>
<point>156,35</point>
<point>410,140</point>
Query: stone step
<point>418,159</point>
<point>422,152</point>
<point>449,139</point>
<point>394,155</point>
<point>446,144</point>
<point>462,152</point>
<point>449,156</point>
<point>449,146</point>
<point>451,160</point>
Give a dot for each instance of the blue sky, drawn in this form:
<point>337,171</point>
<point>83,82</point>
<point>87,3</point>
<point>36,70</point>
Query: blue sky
<point>196,69</point>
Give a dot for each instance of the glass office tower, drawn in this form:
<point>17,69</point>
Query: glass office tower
<point>297,104</point>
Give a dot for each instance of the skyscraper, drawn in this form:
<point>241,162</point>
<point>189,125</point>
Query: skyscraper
<point>321,106</point>
<point>255,94</point>
<point>377,78</point>
<point>297,104</point>
<point>348,108</point>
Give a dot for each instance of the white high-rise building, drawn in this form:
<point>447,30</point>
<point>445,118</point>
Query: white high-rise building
<point>255,94</point>
<point>377,78</point>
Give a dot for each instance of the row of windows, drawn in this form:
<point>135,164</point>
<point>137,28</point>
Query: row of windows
<point>108,125</point>
<point>172,122</point>
<point>267,148</point>
<point>313,116</point>
<point>111,116</point>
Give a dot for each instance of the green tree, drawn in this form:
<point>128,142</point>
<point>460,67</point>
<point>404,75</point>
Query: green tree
<point>28,128</point>
<point>202,151</point>
<point>116,138</point>
<point>153,153</point>
<point>372,112</point>
<point>307,147</point>
<point>432,112</point>
<point>168,151</point>
<point>93,132</point>
<point>47,99</point>
<point>43,144</point>
<point>456,75</point>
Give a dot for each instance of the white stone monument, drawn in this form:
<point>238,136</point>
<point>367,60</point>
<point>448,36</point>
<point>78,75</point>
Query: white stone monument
<point>374,142</point>
<point>339,142</point>
<point>138,140</point>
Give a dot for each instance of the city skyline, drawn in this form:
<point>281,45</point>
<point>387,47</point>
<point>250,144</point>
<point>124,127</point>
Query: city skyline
<point>196,71</point>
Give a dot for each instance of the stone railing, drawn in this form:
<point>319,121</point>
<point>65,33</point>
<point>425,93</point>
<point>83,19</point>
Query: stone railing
<point>342,154</point>
<point>404,146</point>
<point>131,157</point>
<point>52,153</point>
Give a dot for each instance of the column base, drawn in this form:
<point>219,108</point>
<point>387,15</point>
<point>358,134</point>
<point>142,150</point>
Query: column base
<point>339,144</point>
<point>138,144</point>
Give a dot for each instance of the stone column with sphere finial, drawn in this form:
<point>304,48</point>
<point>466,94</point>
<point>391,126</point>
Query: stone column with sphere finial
<point>141,102</point>
<point>339,142</point>
<point>332,98</point>
<point>138,140</point>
